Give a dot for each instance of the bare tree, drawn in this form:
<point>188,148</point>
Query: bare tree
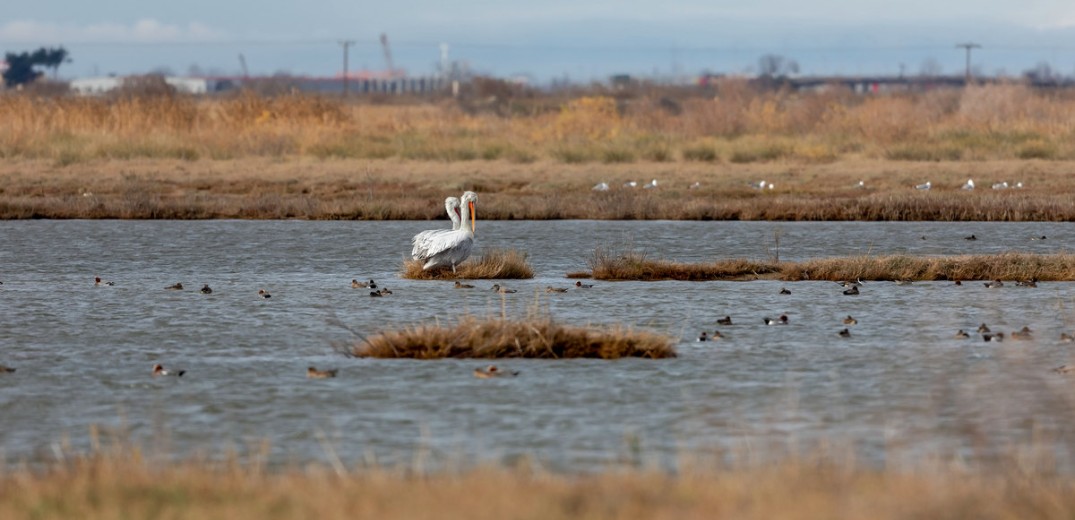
<point>775,65</point>
<point>930,67</point>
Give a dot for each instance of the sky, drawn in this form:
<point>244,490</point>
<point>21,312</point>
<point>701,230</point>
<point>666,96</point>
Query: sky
<point>545,40</point>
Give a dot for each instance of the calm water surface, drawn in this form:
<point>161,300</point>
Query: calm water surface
<point>900,386</point>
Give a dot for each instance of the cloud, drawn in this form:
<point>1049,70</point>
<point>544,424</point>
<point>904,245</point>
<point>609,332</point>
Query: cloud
<point>146,30</point>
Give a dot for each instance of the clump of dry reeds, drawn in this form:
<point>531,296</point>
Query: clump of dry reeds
<point>632,265</point>
<point>493,264</point>
<point>532,337</point>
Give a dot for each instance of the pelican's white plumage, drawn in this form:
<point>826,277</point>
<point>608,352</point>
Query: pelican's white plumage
<point>451,248</point>
<point>424,240</point>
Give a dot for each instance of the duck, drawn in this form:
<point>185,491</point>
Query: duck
<point>551,289</point>
<point>581,285</point>
<point>784,290</point>
<point>971,237</point>
<point>503,290</point>
<point>998,337</point>
<point>1023,333</point>
<point>4,369</point>
<point>703,336</point>
<point>1033,282</point>
<point>727,320</point>
<point>97,281</point>
<point>782,320</point>
<point>846,333</point>
<point>1067,338</point>
<point>206,289</point>
<point>983,328</point>
<point>962,334</point>
<point>958,283</point>
<point>850,320</point>
<point>848,283</point>
<point>376,294</point>
<point>159,370</point>
<point>264,294</point>
<point>994,284</point>
<point>492,371</point>
<point>1064,369</point>
<point>461,285</point>
<point>903,282</point>
<point>852,291</point>
<point>716,335</point>
<point>1043,237</point>
<point>314,373</point>
<point>385,291</point>
<point>176,287</point>
<point>355,284</point>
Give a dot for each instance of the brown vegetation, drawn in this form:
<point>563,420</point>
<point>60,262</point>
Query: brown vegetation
<point>632,265</point>
<point>493,264</point>
<point>532,337</point>
<point>128,484</point>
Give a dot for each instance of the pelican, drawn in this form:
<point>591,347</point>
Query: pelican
<point>424,240</point>
<point>451,248</point>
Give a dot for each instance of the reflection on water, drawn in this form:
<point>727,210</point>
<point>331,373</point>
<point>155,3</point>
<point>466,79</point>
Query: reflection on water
<point>900,383</point>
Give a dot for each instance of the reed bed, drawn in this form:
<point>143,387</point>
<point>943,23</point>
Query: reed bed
<point>532,337</point>
<point>130,484</point>
<point>632,265</point>
<point>493,264</point>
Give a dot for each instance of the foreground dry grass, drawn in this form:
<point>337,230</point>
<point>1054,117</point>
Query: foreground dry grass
<point>632,265</point>
<point>493,264</point>
<point>105,487</point>
<point>392,190</point>
<point>532,337</point>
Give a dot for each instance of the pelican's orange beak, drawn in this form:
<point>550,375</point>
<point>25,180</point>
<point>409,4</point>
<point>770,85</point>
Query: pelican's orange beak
<point>473,216</point>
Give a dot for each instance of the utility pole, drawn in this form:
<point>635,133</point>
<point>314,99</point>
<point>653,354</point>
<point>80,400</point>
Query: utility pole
<point>346,44</point>
<point>968,46</point>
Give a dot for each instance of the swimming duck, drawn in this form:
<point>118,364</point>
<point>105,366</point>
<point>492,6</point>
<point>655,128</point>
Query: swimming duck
<point>994,284</point>
<point>1064,369</point>
<point>972,237</point>
<point>159,370</point>
<point>503,290</point>
<point>206,289</point>
<point>376,294</point>
<point>1066,338</point>
<point>850,321</point>
<point>727,320</point>
<point>97,281</point>
<point>264,294</point>
<point>845,333</point>
<point>903,282</point>
<point>493,371</point>
<point>177,287</point>
<point>983,328</point>
<point>1033,282</point>
<point>782,320</point>
<point>846,283</point>
<point>581,285</point>
<point>958,282</point>
<point>385,291</point>
<point>6,369</point>
<point>314,373</point>
<point>355,284</point>
<point>852,291</point>
<point>1038,238</point>
<point>551,289</point>
<point>1023,333</point>
<point>962,334</point>
<point>703,336</point>
<point>461,285</point>
<point>784,290</point>
<point>998,337</point>
<point>716,335</point>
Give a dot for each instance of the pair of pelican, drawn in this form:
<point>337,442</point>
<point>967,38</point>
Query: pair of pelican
<point>442,247</point>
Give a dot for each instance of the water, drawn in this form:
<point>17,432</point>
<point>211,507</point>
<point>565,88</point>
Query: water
<point>900,386</point>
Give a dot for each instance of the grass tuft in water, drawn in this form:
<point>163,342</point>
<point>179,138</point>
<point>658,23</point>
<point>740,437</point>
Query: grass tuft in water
<point>494,264</point>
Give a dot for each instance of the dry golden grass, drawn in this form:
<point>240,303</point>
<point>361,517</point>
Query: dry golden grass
<point>129,485</point>
<point>631,265</point>
<point>493,264</point>
<point>531,337</point>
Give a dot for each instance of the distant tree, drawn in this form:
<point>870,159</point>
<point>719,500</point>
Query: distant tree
<point>930,67</point>
<point>776,66</point>
<point>21,66</point>
<point>1041,73</point>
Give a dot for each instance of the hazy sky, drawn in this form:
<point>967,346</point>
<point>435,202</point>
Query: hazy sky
<point>556,38</point>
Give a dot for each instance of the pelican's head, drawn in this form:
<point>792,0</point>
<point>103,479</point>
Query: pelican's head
<point>468,199</point>
<point>451,204</point>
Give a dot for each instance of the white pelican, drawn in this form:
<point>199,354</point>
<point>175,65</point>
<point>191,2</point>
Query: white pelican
<point>422,241</point>
<point>451,248</point>
<point>969,185</point>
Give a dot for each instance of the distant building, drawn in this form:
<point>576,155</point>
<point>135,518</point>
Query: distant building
<point>97,86</point>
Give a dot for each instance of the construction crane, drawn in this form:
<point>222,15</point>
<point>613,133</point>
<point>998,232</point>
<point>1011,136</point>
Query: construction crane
<point>388,56</point>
